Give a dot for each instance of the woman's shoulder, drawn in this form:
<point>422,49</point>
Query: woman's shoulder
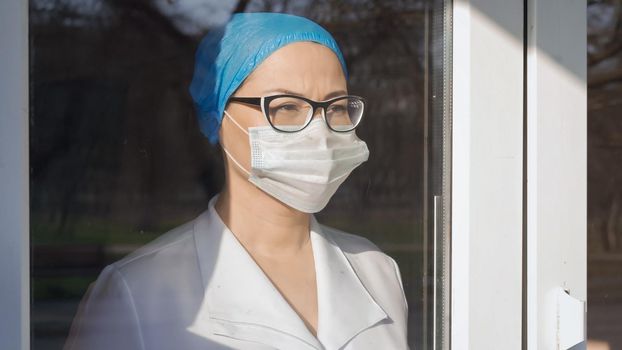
<point>158,266</point>
<point>158,278</point>
<point>170,254</point>
<point>363,253</point>
<point>377,270</point>
<point>351,243</point>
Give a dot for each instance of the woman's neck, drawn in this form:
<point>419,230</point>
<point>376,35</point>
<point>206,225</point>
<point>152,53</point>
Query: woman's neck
<point>264,225</point>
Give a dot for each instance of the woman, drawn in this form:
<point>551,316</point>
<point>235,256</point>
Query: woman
<point>256,270</point>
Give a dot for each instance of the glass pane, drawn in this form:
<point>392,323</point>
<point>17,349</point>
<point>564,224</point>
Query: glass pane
<point>604,239</point>
<point>117,159</point>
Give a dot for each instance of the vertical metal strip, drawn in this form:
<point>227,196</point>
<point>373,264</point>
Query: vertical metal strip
<point>446,173</point>
<point>440,169</point>
<point>525,310</point>
<point>425,270</point>
<point>437,278</point>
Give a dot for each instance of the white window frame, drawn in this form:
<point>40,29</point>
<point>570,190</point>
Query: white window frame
<point>556,169</point>
<point>487,162</point>
<point>14,195</point>
<point>518,171</point>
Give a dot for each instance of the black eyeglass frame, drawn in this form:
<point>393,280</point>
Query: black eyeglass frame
<point>264,102</point>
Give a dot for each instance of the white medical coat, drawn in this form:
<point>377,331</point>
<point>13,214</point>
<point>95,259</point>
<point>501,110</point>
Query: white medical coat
<point>196,287</point>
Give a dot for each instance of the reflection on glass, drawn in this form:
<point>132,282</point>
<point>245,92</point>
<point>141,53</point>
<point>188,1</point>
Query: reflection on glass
<point>117,159</point>
<point>604,239</point>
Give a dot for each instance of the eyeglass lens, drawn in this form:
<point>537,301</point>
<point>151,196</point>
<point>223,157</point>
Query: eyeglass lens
<point>292,114</point>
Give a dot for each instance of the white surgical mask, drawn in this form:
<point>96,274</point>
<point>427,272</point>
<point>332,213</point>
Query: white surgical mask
<point>302,169</point>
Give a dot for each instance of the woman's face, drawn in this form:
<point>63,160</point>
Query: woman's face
<point>302,68</point>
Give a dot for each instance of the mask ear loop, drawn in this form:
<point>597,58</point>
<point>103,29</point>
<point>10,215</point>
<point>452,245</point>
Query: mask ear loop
<point>229,154</point>
<point>236,123</point>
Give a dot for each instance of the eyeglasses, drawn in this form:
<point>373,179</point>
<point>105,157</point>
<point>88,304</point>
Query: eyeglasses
<point>291,113</point>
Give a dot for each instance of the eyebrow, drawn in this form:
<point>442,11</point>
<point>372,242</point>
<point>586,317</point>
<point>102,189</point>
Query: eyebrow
<point>289,92</point>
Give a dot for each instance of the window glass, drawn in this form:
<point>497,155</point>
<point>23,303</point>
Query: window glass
<point>604,238</point>
<point>117,158</point>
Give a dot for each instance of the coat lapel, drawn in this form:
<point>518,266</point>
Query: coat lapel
<point>241,302</point>
<point>345,306</point>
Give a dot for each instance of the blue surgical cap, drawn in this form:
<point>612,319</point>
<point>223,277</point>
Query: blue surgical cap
<point>229,54</point>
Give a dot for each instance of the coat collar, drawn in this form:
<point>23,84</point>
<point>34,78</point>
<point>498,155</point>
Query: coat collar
<point>241,302</point>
